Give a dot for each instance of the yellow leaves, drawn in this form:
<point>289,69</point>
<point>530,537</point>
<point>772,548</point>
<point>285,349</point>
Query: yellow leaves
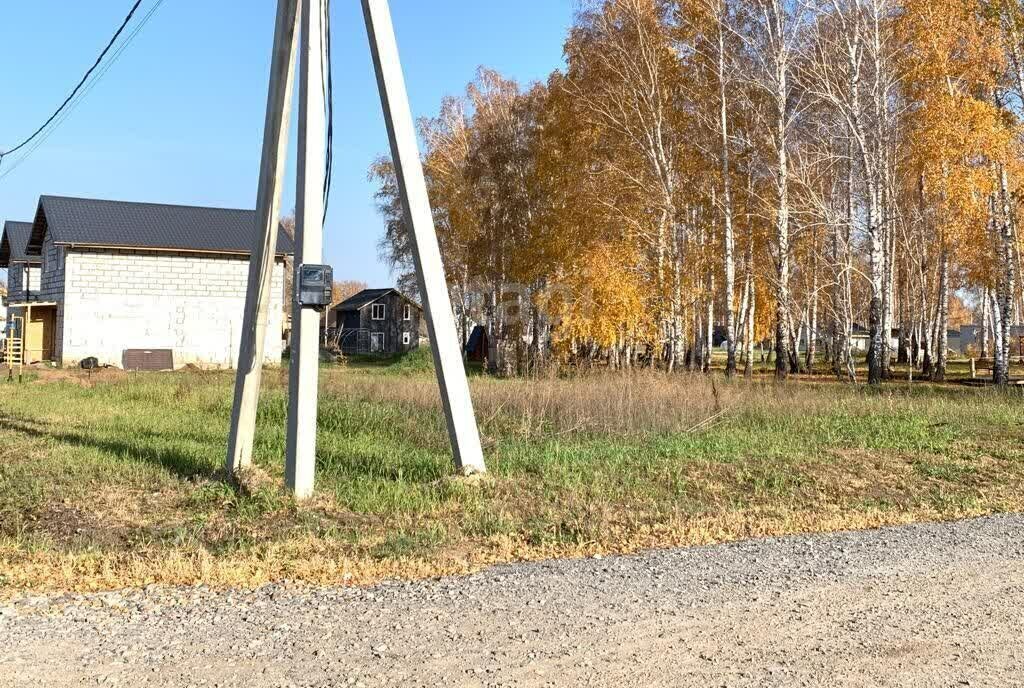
<point>951,45</point>
<point>955,129</point>
<point>602,192</point>
<point>764,317</point>
<point>601,297</point>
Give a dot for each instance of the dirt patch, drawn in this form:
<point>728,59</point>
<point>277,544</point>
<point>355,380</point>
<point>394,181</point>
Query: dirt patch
<point>107,520</point>
<point>253,480</point>
<point>76,376</point>
<point>69,526</point>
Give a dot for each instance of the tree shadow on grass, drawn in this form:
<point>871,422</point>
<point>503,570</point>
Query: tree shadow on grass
<point>146,446</point>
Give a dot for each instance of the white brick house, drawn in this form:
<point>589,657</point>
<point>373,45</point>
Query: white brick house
<point>117,279</point>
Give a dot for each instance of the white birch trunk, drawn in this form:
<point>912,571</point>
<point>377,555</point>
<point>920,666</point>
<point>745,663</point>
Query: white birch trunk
<point>727,210</point>
<point>1007,283</point>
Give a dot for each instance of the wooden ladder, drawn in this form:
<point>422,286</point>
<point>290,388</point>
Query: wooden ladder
<point>14,352</point>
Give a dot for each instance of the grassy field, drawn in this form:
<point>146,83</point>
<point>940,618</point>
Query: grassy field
<point>115,480</point>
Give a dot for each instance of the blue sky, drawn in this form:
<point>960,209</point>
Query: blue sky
<point>179,117</point>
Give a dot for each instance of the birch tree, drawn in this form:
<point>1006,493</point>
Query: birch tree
<point>783,172</point>
<point>625,76</point>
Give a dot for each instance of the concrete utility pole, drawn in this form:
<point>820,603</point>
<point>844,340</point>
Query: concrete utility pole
<point>451,373</point>
<point>302,405</point>
<point>303,376</point>
<point>261,265</point>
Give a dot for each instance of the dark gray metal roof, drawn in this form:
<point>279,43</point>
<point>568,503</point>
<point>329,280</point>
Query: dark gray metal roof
<point>362,299</point>
<point>120,224</point>
<point>368,296</point>
<point>13,243</point>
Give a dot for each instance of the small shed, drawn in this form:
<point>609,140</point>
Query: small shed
<point>378,321</point>
<point>478,345</point>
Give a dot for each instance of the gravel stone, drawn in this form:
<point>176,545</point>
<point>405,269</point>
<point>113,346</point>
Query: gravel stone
<point>925,605</point>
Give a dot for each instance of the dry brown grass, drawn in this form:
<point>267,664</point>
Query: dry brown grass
<point>624,405</point>
<point>313,561</point>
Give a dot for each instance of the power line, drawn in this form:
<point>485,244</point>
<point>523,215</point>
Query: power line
<point>75,100</point>
<point>329,106</point>
<point>74,91</point>
<point>85,77</point>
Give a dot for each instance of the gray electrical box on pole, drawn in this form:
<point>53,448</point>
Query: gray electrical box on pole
<point>313,280</point>
<point>315,286</point>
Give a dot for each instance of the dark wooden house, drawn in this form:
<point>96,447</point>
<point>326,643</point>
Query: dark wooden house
<point>378,321</point>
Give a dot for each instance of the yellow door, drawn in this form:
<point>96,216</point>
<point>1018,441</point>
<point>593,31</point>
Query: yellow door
<point>39,335</point>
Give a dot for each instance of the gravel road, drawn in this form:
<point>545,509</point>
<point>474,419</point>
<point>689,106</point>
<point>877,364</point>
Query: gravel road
<point>931,605</point>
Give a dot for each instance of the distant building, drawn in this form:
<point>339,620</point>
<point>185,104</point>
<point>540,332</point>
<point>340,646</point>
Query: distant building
<point>23,273</point>
<point>478,345</point>
<point>378,321</point>
<point>22,269</point>
<point>136,285</point>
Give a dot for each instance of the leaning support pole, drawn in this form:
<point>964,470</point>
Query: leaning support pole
<point>261,265</point>
<point>304,372</point>
<point>451,374</point>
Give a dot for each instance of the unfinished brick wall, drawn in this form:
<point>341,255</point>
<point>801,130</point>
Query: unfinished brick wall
<point>190,303</point>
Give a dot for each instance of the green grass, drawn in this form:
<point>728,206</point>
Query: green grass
<point>417,361</point>
<point>117,479</point>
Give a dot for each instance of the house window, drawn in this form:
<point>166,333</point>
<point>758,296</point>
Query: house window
<point>376,342</point>
<point>378,311</point>
<point>408,313</point>
<point>406,338</point>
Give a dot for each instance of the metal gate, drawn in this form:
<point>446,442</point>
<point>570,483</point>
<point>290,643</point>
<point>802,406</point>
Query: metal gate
<point>354,341</point>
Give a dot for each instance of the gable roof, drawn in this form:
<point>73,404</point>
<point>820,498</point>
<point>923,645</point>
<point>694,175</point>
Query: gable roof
<point>13,243</point>
<point>368,296</point>
<point>362,299</point>
<point>121,224</point>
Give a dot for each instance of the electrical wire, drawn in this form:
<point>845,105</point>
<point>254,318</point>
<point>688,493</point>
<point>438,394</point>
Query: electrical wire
<point>83,92</point>
<point>329,107</point>
<point>74,91</point>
